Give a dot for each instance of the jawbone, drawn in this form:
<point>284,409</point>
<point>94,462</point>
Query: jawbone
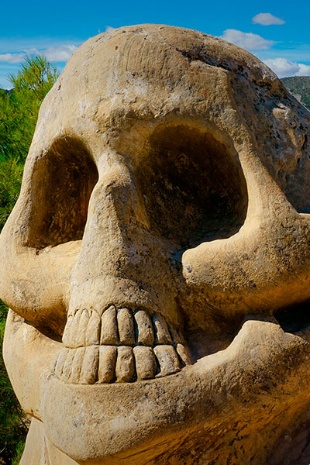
<point>262,376</point>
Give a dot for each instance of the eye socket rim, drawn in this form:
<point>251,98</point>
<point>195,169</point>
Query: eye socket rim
<point>196,136</point>
<point>68,170</point>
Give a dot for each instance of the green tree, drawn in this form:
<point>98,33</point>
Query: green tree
<point>18,115</point>
<point>19,107</point>
<point>10,180</point>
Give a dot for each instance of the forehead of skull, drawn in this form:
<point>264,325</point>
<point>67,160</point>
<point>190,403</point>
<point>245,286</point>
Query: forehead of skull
<point>145,71</point>
<point>149,61</point>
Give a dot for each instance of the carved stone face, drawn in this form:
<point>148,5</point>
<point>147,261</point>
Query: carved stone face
<point>159,243</point>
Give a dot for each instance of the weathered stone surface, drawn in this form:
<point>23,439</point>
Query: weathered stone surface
<point>172,258</point>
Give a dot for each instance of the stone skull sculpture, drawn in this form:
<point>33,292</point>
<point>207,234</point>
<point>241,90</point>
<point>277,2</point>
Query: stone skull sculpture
<point>157,261</point>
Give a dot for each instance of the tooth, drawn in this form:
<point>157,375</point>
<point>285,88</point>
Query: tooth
<point>89,368</point>
<point>83,323</point>
<point>107,361</point>
<point>162,331</point>
<point>177,339</point>
<point>60,362</point>
<point>184,354</point>
<point>145,328</point>
<point>125,367</point>
<point>77,365</point>
<point>74,333</point>
<point>71,336</point>
<point>167,359</point>
<point>126,329</point>
<point>68,331</point>
<point>145,362</point>
<point>109,335</point>
<point>66,371</point>
<point>93,330</point>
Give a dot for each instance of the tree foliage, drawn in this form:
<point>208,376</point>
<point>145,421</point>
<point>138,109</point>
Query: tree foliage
<point>10,179</point>
<point>19,107</point>
<point>18,115</point>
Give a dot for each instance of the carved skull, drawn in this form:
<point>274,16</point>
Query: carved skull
<point>157,260</point>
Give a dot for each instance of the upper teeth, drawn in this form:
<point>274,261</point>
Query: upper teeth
<point>119,345</point>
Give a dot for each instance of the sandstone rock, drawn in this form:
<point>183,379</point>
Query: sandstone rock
<point>162,232</point>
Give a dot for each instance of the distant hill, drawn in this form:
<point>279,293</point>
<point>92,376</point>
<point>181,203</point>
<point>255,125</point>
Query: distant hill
<point>299,86</point>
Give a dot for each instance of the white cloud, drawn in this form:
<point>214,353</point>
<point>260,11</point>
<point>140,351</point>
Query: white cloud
<point>267,19</point>
<point>285,68</point>
<point>56,48</point>
<point>304,70</point>
<point>12,57</point>
<point>59,54</point>
<point>56,54</point>
<point>13,52</point>
<point>247,40</point>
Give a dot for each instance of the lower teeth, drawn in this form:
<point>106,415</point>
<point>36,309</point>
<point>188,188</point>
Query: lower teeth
<point>108,364</point>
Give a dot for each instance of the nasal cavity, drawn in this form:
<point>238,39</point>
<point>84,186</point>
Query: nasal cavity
<point>62,182</point>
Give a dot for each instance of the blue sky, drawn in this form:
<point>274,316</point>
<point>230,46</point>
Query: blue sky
<point>276,31</point>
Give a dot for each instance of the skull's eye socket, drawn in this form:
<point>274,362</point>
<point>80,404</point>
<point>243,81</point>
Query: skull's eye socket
<point>193,186</point>
<point>62,182</point>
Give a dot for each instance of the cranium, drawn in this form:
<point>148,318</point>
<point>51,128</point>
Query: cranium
<point>157,260</point>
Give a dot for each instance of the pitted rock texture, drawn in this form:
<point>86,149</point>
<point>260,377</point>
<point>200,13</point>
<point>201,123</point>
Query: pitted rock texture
<point>157,260</point>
